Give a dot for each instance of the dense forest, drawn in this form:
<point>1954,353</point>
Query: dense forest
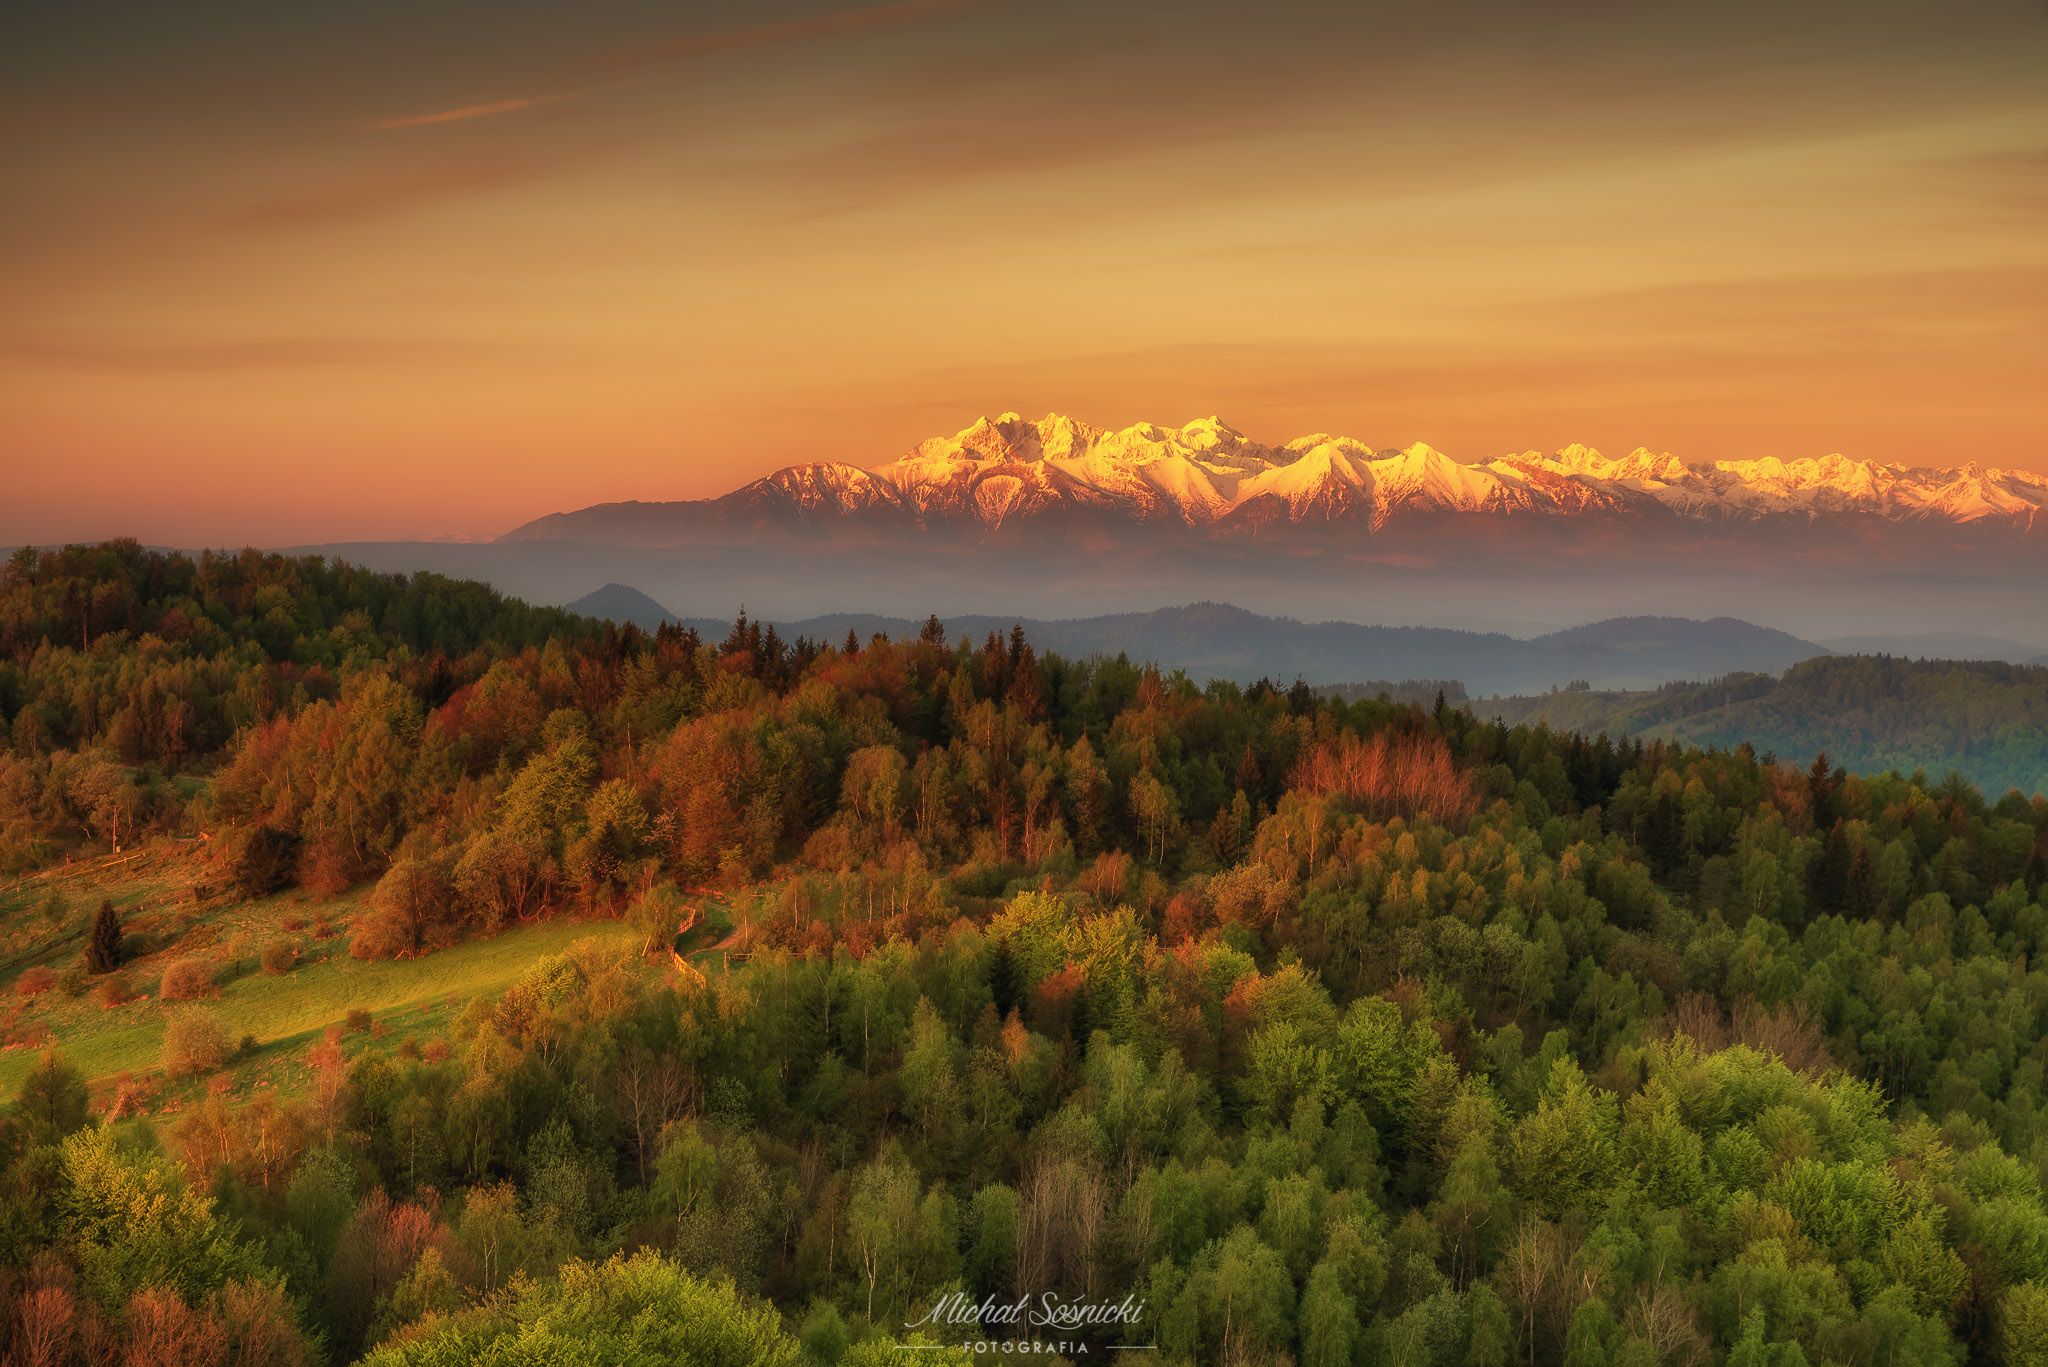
<point>1281,1028</point>
<point>1985,720</point>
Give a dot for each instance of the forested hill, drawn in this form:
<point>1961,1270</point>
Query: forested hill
<point>303,608</point>
<point>1985,720</point>
<point>1218,641</point>
<point>1319,1031</point>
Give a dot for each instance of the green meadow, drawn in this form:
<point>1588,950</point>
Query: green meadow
<point>169,915</point>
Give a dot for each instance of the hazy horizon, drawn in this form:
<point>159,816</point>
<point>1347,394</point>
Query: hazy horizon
<point>465,535</point>
<point>298,275</point>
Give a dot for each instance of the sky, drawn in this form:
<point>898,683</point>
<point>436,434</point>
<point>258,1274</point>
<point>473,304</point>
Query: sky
<point>294,273</point>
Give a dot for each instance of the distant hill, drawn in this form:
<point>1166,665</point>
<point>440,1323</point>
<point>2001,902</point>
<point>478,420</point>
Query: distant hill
<point>1938,645</point>
<point>1524,576</point>
<point>621,603</point>
<point>1218,641</point>
<point>1986,720</point>
<point>1676,647</point>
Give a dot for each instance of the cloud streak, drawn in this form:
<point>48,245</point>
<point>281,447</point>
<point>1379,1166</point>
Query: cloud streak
<point>464,113</point>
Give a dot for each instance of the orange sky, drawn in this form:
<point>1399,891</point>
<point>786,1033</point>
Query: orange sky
<point>305,273</point>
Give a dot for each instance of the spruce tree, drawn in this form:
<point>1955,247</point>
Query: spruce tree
<point>103,943</point>
<point>1005,981</point>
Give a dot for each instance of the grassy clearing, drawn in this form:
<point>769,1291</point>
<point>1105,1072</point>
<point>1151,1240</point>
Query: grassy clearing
<point>287,1012</point>
<point>170,916</point>
<point>714,924</point>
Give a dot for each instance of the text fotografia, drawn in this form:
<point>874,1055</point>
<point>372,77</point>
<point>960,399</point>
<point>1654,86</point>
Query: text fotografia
<point>1048,1312</point>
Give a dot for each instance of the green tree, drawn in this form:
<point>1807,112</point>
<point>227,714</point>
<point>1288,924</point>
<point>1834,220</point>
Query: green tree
<point>1562,1154</point>
<point>1330,1332</point>
<point>53,1101</point>
<point>2023,1325</point>
<point>992,1226</point>
<point>1490,1336</point>
<point>641,1308</point>
<point>134,1224</point>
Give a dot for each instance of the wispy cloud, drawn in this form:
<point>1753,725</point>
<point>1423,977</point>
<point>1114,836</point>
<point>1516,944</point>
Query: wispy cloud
<point>615,68</point>
<point>464,112</point>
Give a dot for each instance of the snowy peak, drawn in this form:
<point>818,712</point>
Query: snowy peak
<point>1010,439</point>
<point>1973,493</point>
<point>823,488</point>
<point>1640,467</point>
<point>1326,479</point>
<point>1003,467</point>
<point>1206,474</point>
<point>1422,473</point>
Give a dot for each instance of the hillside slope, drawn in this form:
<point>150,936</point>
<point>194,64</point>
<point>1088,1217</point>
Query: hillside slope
<point>1985,720</point>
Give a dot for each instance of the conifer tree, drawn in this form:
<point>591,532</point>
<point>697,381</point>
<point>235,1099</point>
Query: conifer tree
<point>103,942</point>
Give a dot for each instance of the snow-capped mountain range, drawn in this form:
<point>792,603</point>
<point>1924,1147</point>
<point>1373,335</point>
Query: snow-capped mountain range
<point>1010,470</point>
